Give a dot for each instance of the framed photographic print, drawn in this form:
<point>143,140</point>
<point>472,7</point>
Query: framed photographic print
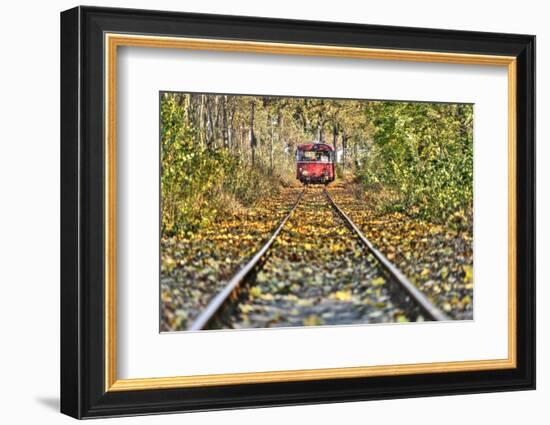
<point>262,212</point>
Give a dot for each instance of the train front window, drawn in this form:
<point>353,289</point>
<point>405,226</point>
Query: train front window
<point>314,156</point>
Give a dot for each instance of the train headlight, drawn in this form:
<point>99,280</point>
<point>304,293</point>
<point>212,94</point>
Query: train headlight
<point>304,172</point>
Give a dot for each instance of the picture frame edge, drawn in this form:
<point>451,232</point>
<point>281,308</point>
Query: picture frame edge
<point>83,393</point>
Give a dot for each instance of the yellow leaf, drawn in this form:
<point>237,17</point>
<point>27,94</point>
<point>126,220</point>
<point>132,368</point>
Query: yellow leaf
<point>312,320</point>
<point>379,281</point>
<point>166,297</point>
<point>468,273</point>
<point>168,264</point>
<point>255,291</point>
<point>342,295</point>
<point>336,247</point>
<point>245,308</point>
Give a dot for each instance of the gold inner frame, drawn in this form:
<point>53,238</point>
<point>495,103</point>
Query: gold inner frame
<point>113,41</point>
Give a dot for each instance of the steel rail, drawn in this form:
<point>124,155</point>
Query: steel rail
<point>430,310</point>
<point>218,301</point>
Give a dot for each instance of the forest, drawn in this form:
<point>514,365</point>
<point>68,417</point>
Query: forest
<point>220,154</point>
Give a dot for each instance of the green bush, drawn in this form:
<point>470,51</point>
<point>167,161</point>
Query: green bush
<point>198,183</point>
<point>423,153</point>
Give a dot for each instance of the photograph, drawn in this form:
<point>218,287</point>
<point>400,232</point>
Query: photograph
<point>288,210</point>
<point>285,211</point>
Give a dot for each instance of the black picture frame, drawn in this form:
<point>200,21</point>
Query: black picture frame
<point>83,392</point>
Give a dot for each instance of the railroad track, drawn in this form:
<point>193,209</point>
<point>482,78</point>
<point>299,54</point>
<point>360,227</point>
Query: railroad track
<point>402,291</point>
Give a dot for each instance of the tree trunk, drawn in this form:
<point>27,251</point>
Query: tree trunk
<point>344,149</point>
<point>335,141</point>
<point>225,130</point>
<point>252,136</point>
<point>187,108</point>
<point>209,125</point>
<point>231,130</point>
<point>201,121</point>
<point>355,162</point>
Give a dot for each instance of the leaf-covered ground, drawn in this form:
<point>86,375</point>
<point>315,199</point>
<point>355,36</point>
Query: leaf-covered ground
<point>437,260</point>
<point>195,267</point>
<point>317,273</point>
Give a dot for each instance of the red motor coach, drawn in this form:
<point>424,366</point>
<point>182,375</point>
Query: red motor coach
<point>315,163</point>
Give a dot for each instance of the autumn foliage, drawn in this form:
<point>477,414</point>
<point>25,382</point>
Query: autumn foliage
<point>228,176</point>
<point>221,152</point>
